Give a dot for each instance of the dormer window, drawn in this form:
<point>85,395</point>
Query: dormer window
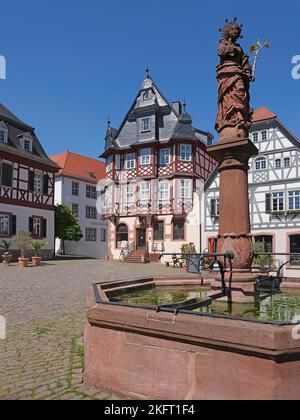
<point>3,133</point>
<point>146,125</point>
<point>26,141</point>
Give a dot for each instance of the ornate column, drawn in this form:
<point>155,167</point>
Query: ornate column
<point>232,152</point>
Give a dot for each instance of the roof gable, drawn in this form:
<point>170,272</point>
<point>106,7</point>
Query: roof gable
<point>262,114</point>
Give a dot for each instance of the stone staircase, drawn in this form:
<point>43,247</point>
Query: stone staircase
<point>134,258</point>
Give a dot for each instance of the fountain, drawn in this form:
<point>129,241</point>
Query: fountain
<point>232,337</point>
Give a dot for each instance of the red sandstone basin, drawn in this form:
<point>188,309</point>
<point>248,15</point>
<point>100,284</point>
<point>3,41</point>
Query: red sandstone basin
<point>140,354</point>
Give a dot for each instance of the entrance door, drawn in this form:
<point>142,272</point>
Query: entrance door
<point>141,238</point>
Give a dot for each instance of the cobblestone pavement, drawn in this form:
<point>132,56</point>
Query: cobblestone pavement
<point>42,357</point>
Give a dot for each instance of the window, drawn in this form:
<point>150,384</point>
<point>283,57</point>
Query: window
<point>37,227</point>
<point>178,230</point>
<point>103,235</point>
<point>27,145</point>
<point>295,249</point>
<point>75,188</point>
<point>4,225</point>
<point>164,192</point>
<point>278,201</point>
<point>38,183</point>
<point>146,95</point>
<point>130,193</point>
<point>145,191</point>
<point>122,236</point>
<point>255,137</point>
<point>3,136</point>
<point>91,192</point>
<point>278,163</point>
<point>264,135</point>
<point>165,157</point>
<point>294,200</point>
<point>91,213</point>
<point>186,189</point>
<point>109,164</point>
<point>215,207</point>
<point>158,231</point>
<point>287,162</point>
<point>130,161</point>
<point>75,210</point>
<point>91,235</point>
<point>186,153</point>
<point>267,243</point>
<point>145,157</point>
<point>260,164</point>
<point>108,196</point>
<point>145,125</point>
<point>6,175</point>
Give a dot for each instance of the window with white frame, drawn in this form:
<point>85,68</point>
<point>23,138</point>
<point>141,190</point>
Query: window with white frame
<point>278,201</point>
<point>264,135</point>
<point>91,213</point>
<point>28,145</point>
<point>145,125</point>
<point>294,200</point>
<point>165,157</point>
<point>186,189</point>
<point>130,193</point>
<point>103,235</point>
<point>255,137</point>
<point>109,164</point>
<point>37,227</point>
<point>145,157</point>
<point>3,136</point>
<point>4,225</point>
<point>278,163</point>
<point>91,235</point>
<point>164,191</point>
<point>130,161</point>
<point>215,207</point>
<point>186,152</point>
<point>145,191</point>
<point>108,196</point>
<point>38,183</point>
<point>260,164</point>
<point>75,188</point>
<point>287,162</point>
<point>91,192</point>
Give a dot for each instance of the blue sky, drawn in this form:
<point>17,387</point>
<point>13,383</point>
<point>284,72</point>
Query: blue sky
<point>71,63</point>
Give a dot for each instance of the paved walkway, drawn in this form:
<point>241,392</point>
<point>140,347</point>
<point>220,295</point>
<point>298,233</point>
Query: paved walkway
<point>42,357</point>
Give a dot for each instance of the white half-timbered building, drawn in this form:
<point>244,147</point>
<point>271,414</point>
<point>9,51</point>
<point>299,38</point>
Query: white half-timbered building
<point>26,183</point>
<point>274,189</point>
<point>157,162</point>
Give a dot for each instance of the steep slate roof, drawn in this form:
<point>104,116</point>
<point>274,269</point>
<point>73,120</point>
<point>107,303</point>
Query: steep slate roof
<point>17,128</point>
<point>262,114</point>
<point>174,126</point>
<point>80,167</point>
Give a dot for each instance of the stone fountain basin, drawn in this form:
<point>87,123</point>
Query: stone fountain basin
<point>140,354</point>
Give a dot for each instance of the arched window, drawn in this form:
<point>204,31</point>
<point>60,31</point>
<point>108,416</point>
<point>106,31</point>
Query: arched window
<point>260,164</point>
<point>122,235</point>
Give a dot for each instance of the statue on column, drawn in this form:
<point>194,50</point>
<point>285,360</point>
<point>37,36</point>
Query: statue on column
<point>234,75</point>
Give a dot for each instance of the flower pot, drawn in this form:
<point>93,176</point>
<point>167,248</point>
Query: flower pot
<point>6,258</point>
<point>23,262</point>
<point>36,261</point>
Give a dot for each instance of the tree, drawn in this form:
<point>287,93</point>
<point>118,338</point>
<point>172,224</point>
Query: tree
<point>67,227</point>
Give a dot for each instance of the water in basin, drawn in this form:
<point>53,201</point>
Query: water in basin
<point>282,307</point>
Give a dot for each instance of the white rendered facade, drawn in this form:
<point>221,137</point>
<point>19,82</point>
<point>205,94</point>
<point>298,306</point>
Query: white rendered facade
<point>274,192</point>
<point>94,227</point>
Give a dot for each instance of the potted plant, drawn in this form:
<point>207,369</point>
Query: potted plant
<point>7,255</point>
<point>37,246</point>
<point>23,241</point>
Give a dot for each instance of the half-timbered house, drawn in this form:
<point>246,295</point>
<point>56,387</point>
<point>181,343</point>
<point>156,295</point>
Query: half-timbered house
<point>157,164</point>
<point>274,189</point>
<point>26,183</point>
